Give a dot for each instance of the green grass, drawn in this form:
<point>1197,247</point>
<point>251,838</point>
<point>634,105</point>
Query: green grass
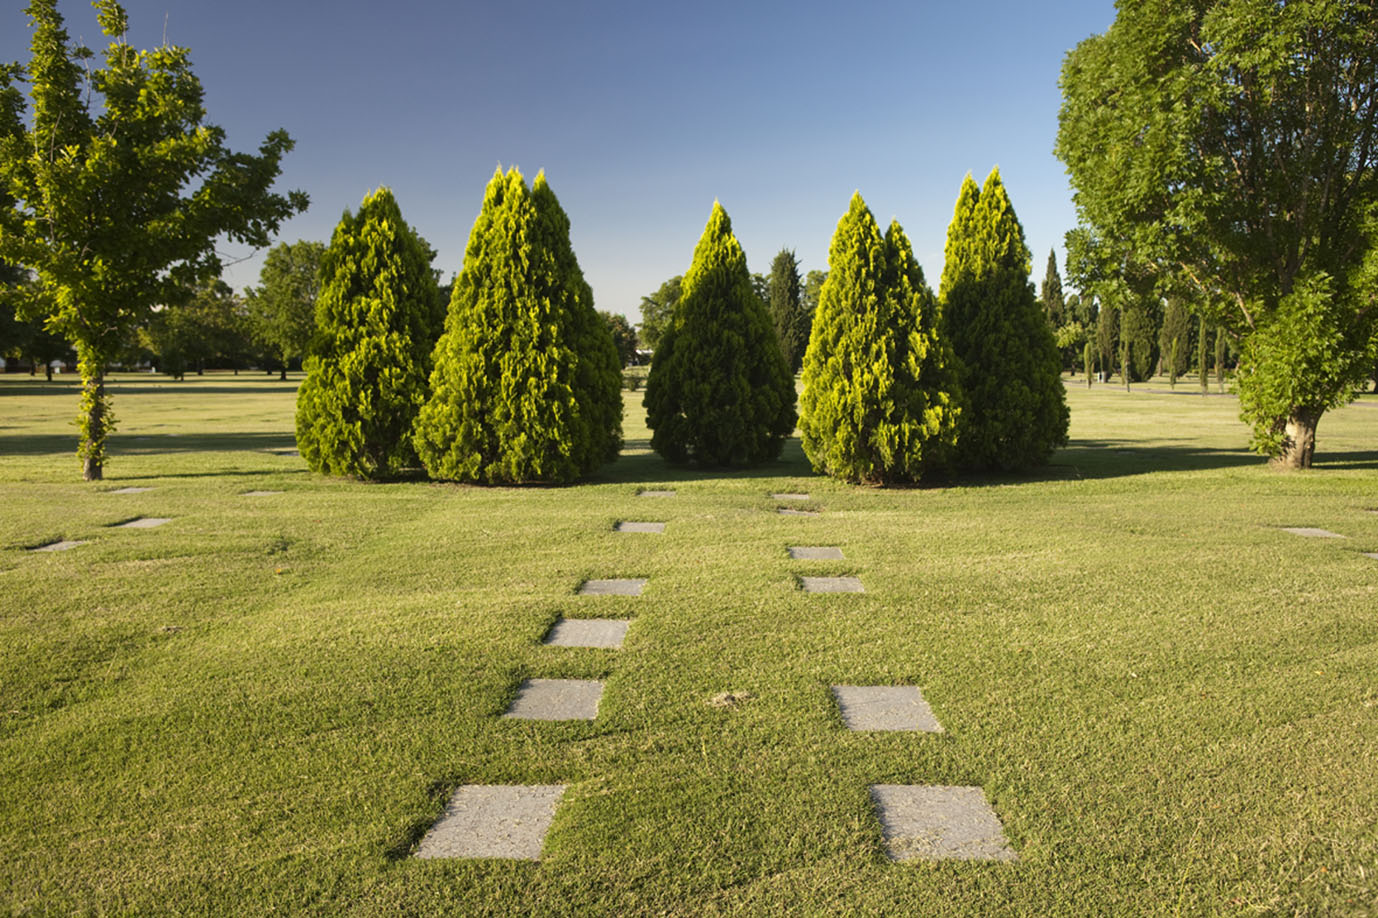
<point>261,706</point>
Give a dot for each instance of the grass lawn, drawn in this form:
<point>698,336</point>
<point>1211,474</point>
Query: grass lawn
<point>262,705</point>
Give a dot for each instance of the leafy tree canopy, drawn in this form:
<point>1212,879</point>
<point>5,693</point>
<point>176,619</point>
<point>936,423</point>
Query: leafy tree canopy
<point>1231,147</point>
<point>282,308</point>
<point>658,309</point>
<point>118,189</point>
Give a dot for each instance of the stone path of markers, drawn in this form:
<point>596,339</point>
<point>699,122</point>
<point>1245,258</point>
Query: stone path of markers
<point>918,822</point>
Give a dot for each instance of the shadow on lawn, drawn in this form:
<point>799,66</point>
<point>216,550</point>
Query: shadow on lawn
<point>143,444</point>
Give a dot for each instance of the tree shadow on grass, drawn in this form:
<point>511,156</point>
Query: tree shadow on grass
<point>145,444</point>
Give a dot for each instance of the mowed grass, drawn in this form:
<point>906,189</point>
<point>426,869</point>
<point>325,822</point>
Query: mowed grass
<point>261,706</point>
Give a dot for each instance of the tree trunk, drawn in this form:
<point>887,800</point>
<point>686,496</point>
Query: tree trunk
<point>48,368</point>
<point>283,377</point>
<point>96,420</point>
<point>1300,443</point>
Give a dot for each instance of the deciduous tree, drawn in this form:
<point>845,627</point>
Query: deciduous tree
<point>119,191</point>
<point>282,308</point>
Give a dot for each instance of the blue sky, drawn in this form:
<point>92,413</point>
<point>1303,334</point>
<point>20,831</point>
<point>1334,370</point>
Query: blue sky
<point>640,113</point>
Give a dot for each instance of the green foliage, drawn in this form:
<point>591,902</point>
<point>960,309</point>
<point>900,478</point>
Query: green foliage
<point>377,318</point>
<point>118,191</point>
<point>813,288</point>
<point>526,385</point>
<point>1014,409</point>
<point>792,322</point>
<point>1177,326</point>
<point>1305,350</point>
<point>1108,336</point>
<point>623,336</point>
<point>879,402</point>
<point>207,326</point>
<point>658,309</point>
<point>719,391</point>
<point>1050,296</point>
<point>282,308</point>
<point>1088,361</point>
<point>1139,337</point>
<point>1228,148</point>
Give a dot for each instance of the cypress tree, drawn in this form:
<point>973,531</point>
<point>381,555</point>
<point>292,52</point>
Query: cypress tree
<point>719,391</point>
<point>377,318</point>
<point>1139,337</point>
<point>792,323</point>
<point>1201,353</point>
<point>1051,294</point>
<point>879,383</point>
<point>527,381</point>
<point>1014,409</point>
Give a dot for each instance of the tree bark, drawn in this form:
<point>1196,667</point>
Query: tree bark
<point>283,377</point>
<point>93,449</point>
<point>1300,443</point>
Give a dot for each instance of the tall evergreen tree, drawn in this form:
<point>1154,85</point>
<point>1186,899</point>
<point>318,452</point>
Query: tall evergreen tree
<point>1014,409</point>
<point>879,401</point>
<point>377,318</point>
<point>527,381</point>
<point>792,323</point>
<point>1108,337</point>
<point>1051,294</point>
<point>1177,327</point>
<point>1139,321</point>
<point>719,391</point>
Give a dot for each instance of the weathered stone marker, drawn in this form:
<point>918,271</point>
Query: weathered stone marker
<point>885,707</point>
<point>923,823</point>
<point>629,526</point>
<point>64,545</point>
<point>129,490</point>
<point>832,585</point>
<point>588,632</point>
<point>650,493</point>
<point>556,699</point>
<point>494,821</point>
<point>800,553</point>
<point>144,522</point>
<point>1312,533</point>
<point>626,587</point>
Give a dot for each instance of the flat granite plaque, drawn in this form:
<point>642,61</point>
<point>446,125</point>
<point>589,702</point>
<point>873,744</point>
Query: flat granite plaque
<point>885,707</point>
<point>1311,532</point>
<point>145,522</point>
<point>129,491</point>
<point>259,493</point>
<point>648,493</point>
<point>627,587</point>
<point>556,699</point>
<point>493,821</point>
<point>64,545</point>
<point>799,553</point>
<point>832,585</point>
<point>790,496</point>
<point>928,823</point>
<point>629,526</point>
<point>588,632</point>
<point>790,511</point>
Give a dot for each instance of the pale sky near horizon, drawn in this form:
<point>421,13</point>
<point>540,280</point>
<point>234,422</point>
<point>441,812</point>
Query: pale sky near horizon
<point>641,114</point>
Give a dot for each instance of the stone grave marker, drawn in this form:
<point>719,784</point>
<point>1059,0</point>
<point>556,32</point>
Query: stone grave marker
<point>145,522</point>
<point>629,526</point>
<point>832,585</point>
<point>645,492</point>
<point>790,511</point>
<point>130,490</point>
<point>63,545</point>
<point>259,493</point>
<point>588,632</point>
<point>556,699</point>
<point>1311,532</point>
<point>624,587</point>
<point>493,821</point>
<point>924,823</point>
<point>790,496</point>
<point>801,553</point>
<point>885,707</point>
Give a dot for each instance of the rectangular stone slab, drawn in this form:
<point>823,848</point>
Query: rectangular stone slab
<point>790,496</point>
<point>655,493</point>
<point>493,821</point>
<point>144,522</point>
<point>885,707</point>
<point>927,823</point>
<point>628,587</point>
<point>259,493</point>
<point>556,699</point>
<point>129,490</point>
<point>790,511</point>
<point>1311,532</point>
<point>629,526</point>
<point>64,545</point>
<point>588,632</point>
<point>799,553</point>
<point>1371,554</point>
<point>832,585</point>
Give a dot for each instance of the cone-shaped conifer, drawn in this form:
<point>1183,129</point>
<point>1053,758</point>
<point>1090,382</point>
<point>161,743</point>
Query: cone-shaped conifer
<point>1014,408</point>
<point>527,381</point>
<point>878,403</point>
<point>377,318</point>
<point>787,309</point>
<point>719,392</point>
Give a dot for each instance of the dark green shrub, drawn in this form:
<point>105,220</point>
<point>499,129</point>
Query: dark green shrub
<point>1014,408</point>
<point>719,392</point>
<point>792,321</point>
<point>527,383</point>
<point>878,403</point>
<point>377,319</point>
